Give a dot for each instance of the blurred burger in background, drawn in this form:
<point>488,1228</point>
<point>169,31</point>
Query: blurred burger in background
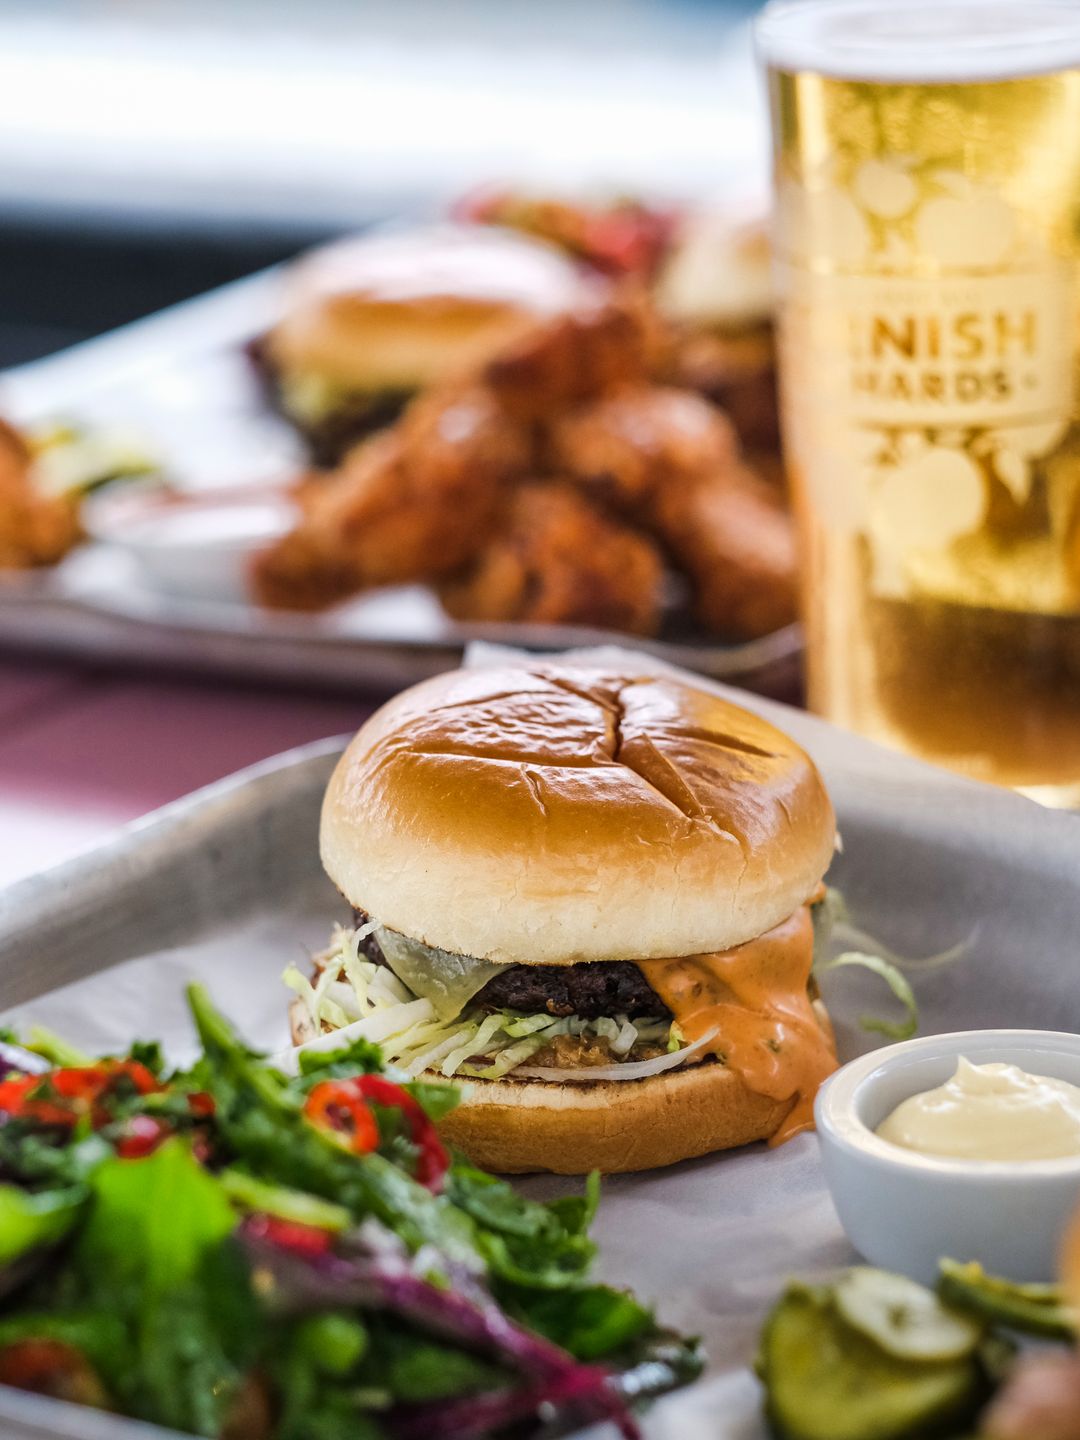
<point>716,290</point>
<point>369,322</point>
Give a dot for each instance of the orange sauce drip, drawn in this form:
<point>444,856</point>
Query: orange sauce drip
<point>756,999</point>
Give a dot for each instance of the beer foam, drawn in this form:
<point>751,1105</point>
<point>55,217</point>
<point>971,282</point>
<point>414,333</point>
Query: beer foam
<point>913,41</point>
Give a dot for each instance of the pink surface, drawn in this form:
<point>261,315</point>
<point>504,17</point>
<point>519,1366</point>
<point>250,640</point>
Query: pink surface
<point>83,752</point>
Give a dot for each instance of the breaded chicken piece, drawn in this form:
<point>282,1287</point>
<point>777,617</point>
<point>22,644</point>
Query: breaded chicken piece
<point>35,529</point>
<point>640,441</point>
<point>671,461</point>
<point>557,559</point>
<point>575,357</point>
<point>736,542</point>
<point>414,503</point>
<point>738,373</point>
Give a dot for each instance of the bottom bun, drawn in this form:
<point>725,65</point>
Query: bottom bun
<point>518,1126</point>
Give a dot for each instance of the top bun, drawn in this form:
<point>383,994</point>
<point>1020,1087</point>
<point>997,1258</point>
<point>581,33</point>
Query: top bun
<point>405,310</point>
<point>548,815</point>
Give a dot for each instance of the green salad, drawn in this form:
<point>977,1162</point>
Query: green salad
<point>238,1253</point>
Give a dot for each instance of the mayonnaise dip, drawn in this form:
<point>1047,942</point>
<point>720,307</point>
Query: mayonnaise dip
<point>990,1112</point>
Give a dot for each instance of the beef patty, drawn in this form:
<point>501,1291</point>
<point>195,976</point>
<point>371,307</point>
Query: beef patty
<point>590,990</point>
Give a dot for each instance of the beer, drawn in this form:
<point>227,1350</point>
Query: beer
<point>927,236</point>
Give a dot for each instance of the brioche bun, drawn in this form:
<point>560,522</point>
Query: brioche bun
<point>519,1127</point>
<point>549,815</point>
<point>401,311</point>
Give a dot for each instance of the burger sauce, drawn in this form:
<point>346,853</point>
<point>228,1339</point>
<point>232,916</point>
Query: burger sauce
<point>755,998</point>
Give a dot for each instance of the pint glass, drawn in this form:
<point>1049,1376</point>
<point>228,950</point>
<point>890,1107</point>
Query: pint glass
<point>927,237</point>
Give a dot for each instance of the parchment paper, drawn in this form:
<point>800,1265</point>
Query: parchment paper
<point>928,860</point>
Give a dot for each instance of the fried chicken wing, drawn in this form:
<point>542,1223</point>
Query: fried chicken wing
<point>35,529</point>
<point>630,447</point>
<point>414,503</point>
<point>575,357</point>
<point>736,543</point>
<point>738,372</point>
<point>671,461</point>
<point>557,559</point>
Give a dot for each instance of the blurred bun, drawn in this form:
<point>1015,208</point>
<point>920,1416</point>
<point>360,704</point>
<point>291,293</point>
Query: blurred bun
<point>719,274</point>
<point>554,814</point>
<point>400,311</point>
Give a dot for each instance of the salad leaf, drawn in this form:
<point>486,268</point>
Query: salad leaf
<point>353,1057</point>
<point>577,1212</point>
<point>316,1360</point>
<point>436,1101</point>
<point>525,1243</point>
<point>296,1205</point>
<point>30,1224</point>
<point>150,1054</point>
<point>152,1255</point>
<point>590,1322</point>
<point>37,1160</point>
<point>29,1220</point>
<point>416,1371</point>
<point>377,1275</point>
<point>494,1203</point>
<point>58,1052</point>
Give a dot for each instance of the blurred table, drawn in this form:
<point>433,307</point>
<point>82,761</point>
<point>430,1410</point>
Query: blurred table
<point>83,751</point>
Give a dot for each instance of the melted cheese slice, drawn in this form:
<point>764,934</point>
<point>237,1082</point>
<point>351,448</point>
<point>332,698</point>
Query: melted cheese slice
<point>756,999</point>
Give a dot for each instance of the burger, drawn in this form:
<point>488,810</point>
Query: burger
<point>371,320</point>
<point>588,894</point>
<point>716,291</point>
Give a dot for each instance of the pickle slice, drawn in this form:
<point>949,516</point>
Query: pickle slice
<point>1031,1309</point>
<point>826,1381</point>
<point>905,1319</point>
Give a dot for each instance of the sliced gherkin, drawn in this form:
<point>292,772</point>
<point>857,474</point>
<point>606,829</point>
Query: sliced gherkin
<point>827,1381</point>
<point>904,1318</point>
<point>1031,1309</point>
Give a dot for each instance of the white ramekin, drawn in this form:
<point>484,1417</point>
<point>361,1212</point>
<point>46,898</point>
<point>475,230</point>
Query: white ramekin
<point>904,1211</point>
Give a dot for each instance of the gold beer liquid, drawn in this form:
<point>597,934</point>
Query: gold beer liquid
<point>928,237</point>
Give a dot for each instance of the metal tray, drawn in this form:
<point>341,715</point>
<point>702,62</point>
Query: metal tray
<point>179,381</point>
<point>226,884</point>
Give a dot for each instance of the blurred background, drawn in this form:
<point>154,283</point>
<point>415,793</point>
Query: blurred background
<point>152,149</point>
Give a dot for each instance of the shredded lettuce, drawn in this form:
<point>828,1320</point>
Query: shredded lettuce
<point>418,1035</point>
<point>897,982</point>
<point>834,929</point>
